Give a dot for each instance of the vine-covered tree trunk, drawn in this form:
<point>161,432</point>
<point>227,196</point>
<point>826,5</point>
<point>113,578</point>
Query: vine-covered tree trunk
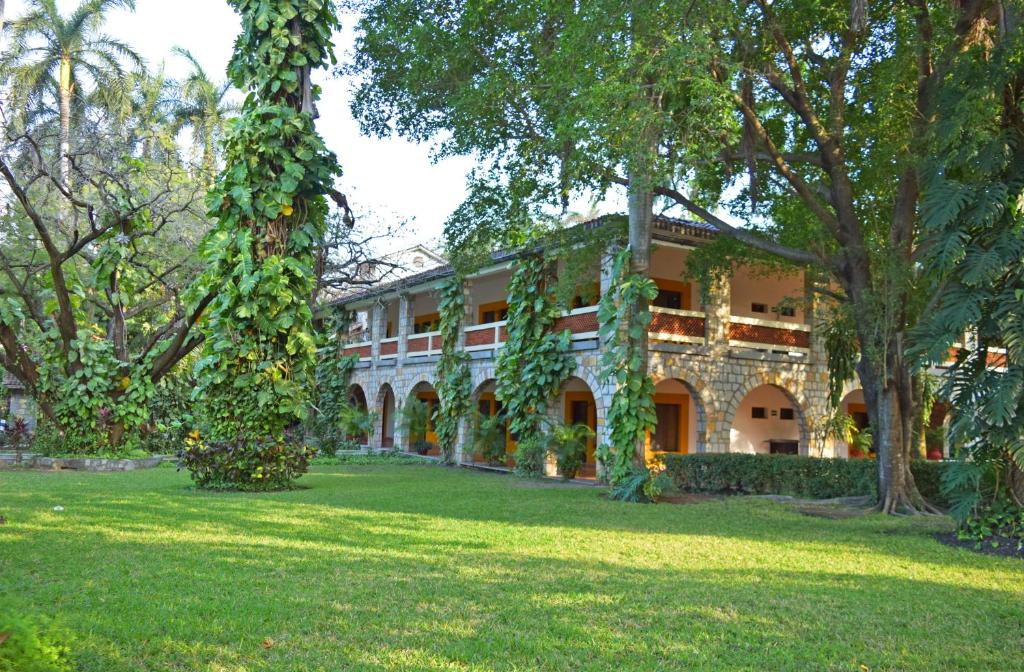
<point>641,205</point>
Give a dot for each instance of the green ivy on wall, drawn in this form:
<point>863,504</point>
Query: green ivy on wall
<point>260,350</point>
<point>454,382</point>
<point>623,324</point>
<point>535,360</point>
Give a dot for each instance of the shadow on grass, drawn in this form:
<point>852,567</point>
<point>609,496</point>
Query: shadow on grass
<point>423,568</point>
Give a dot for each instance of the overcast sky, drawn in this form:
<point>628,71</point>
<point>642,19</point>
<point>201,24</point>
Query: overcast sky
<point>388,180</point>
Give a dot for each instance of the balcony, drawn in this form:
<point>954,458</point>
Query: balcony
<point>423,345</point>
<point>671,325</point>
<point>757,334</point>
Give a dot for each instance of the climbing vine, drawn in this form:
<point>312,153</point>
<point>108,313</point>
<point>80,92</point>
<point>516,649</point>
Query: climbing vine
<point>269,201</point>
<point>454,384</point>
<point>535,361</point>
<point>622,326</point>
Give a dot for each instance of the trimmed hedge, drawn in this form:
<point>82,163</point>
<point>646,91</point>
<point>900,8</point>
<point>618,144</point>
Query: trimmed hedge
<point>797,476</point>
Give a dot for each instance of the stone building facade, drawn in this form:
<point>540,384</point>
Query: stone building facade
<point>726,379</point>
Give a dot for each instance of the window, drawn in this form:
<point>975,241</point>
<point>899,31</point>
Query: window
<point>493,312</point>
<point>786,414</point>
<point>425,323</point>
<point>587,295</point>
<point>759,412</point>
<point>758,308</point>
<point>787,311</point>
<point>668,298</point>
<point>418,262</point>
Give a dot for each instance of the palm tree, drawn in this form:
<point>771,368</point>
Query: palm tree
<point>50,58</point>
<point>204,108</point>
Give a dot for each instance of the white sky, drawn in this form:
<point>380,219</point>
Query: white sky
<point>388,180</point>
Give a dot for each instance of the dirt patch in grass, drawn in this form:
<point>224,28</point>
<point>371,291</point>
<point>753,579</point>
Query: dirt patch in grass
<point>688,498</point>
<point>831,512</point>
<point>1007,547</point>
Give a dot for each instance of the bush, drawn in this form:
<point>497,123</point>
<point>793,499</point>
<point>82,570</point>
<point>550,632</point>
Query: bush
<point>640,486</point>
<point>569,444</point>
<point>250,465</point>
<point>794,475</point>
<point>489,439</point>
<point>530,455</point>
<point>732,473</point>
<point>23,648</point>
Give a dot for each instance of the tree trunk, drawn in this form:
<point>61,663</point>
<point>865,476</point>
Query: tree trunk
<point>641,214</point>
<point>65,121</point>
<point>887,393</point>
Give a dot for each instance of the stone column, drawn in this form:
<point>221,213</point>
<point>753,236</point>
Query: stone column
<point>718,315</point>
<point>378,327</point>
<point>405,319</point>
<point>465,435</point>
<point>376,405</point>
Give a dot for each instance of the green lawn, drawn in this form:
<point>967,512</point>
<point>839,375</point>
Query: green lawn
<point>390,567</point>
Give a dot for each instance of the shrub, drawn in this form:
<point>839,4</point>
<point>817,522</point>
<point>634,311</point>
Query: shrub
<point>245,465</point>
<point>569,444</point>
<point>795,475</point>
<point>640,485</point>
<point>489,439</point>
<point>23,648</point>
<point>732,473</point>
<point>530,455</point>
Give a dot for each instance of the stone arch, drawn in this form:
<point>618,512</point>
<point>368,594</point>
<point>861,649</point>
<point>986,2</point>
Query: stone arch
<point>387,409</point>
<point>579,403</point>
<point>588,374</point>
<point>777,382</point>
<point>357,396</point>
<point>703,407</point>
<point>423,392</point>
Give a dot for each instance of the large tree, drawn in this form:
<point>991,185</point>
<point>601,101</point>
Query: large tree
<point>271,208</point>
<point>92,314</point>
<point>815,112</point>
<point>974,249</point>
<point>53,58</point>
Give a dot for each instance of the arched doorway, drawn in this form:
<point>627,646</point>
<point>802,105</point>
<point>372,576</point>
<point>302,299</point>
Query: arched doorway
<point>357,399</point>
<point>386,404</point>
<point>768,421</point>
<point>681,424</point>
<point>491,442</point>
<point>579,408</point>
<point>419,428</point>
<point>854,408</point>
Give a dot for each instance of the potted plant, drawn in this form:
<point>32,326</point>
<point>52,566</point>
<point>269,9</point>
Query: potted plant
<point>862,444</point>
<point>489,439</point>
<point>415,420</point>
<point>569,444</point>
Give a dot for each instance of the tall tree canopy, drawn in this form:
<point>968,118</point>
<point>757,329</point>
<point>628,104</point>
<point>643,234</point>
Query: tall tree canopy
<point>55,62</point>
<point>973,214</point>
<point>259,357</point>
<point>815,112</point>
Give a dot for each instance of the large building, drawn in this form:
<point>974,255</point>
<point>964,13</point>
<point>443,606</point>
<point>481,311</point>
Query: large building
<point>745,372</point>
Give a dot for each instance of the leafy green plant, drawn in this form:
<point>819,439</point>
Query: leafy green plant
<point>415,419</point>
<point>569,444</point>
<point>531,453</point>
<point>535,361</point>
<point>247,466</point>
<point>25,647</point>
<point>260,352</point>
<point>623,325</point>
<point>640,485</point>
<point>489,438</point>
<point>863,442</point>
<point>454,383</point>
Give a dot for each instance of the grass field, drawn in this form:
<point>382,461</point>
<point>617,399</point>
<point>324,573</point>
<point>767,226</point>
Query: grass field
<point>391,567</point>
